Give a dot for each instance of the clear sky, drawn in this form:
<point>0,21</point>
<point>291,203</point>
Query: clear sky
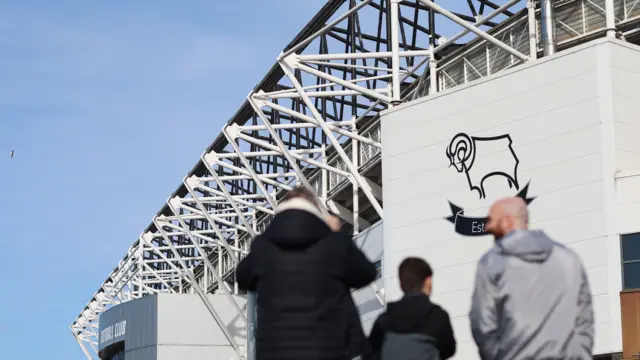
<point>108,104</point>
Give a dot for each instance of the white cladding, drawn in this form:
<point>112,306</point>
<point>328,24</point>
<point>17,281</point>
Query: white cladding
<point>369,306</point>
<point>192,332</point>
<point>574,122</point>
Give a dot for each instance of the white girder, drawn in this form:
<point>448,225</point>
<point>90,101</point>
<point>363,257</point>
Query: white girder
<point>314,121</point>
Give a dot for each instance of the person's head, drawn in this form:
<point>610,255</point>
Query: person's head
<point>506,215</point>
<point>415,276</point>
<point>303,193</point>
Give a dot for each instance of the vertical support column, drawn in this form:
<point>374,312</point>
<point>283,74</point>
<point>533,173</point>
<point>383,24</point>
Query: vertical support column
<point>235,282</point>
<point>206,279</point>
<point>433,73</point>
<point>433,64</point>
<point>252,317</point>
<point>395,52</point>
<point>610,18</point>
<point>356,161</point>
<point>252,310</point>
<point>140,259</point>
<point>533,29</point>
<point>488,57</point>
<point>220,261</point>
<point>254,222</point>
<point>84,348</point>
<point>548,26</point>
<point>325,178</point>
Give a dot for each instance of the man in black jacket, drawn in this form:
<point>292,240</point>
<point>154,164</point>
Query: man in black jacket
<point>302,269</point>
<point>413,328</point>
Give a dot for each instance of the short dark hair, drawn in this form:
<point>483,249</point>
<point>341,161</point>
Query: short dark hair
<point>413,272</point>
<point>301,192</point>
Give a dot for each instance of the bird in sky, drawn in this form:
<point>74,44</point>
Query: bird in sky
<point>12,153</point>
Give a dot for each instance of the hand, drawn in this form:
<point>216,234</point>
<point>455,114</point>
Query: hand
<point>334,222</point>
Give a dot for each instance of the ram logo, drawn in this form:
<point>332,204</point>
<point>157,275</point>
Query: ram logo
<point>480,158</point>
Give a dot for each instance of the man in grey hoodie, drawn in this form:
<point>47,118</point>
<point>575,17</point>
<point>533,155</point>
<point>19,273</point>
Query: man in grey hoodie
<point>531,298</point>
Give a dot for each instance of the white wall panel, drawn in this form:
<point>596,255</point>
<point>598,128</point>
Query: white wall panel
<point>625,62</point>
<point>369,306</point>
<point>192,330</point>
<point>628,191</point>
<point>553,112</point>
<point>625,74</point>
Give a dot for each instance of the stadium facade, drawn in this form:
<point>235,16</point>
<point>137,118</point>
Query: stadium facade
<point>541,96</point>
<point>572,153</point>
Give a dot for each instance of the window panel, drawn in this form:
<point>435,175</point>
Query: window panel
<point>630,247</point>
<point>118,356</point>
<point>631,275</point>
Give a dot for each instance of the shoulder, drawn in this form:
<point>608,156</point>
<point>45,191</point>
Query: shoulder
<point>564,249</point>
<point>440,313</point>
<point>492,263</point>
<point>491,258</point>
<point>567,254</point>
<point>381,321</point>
<point>259,242</point>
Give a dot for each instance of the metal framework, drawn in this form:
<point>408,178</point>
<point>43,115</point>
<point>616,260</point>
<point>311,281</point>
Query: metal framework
<point>313,120</point>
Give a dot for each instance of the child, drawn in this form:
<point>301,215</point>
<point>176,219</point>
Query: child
<point>413,328</point>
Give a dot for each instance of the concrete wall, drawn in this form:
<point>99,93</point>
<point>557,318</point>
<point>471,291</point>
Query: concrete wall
<point>175,326</point>
<point>140,335</point>
<point>186,329</point>
<point>625,84</point>
<point>559,114</point>
<point>370,241</point>
<point>625,92</point>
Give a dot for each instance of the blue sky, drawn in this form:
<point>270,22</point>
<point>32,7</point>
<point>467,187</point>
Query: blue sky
<point>108,104</point>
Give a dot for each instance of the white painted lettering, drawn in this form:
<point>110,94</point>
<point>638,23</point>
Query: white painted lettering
<point>477,227</point>
<point>114,331</point>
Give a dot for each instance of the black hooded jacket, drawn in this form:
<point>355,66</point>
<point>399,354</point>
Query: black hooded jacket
<point>302,273</point>
<point>413,328</point>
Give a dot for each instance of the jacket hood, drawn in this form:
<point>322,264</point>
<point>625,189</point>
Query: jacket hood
<point>409,314</point>
<point>528,245</point>
<point>297,224</point>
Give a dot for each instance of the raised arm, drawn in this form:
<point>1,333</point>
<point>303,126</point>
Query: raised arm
<point>359,271</point>
<point>246,275</point>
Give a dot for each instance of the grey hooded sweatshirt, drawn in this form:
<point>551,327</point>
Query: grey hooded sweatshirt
<point>531,301</point>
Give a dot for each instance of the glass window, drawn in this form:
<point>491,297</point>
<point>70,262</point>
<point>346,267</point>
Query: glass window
<point>118,356</point>
<point>378,269</point>
<point>630,244</point>
<point>631,247</point>
<point>631,275</point>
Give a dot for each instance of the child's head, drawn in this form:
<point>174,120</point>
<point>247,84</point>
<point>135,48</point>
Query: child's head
<point>415,276</point>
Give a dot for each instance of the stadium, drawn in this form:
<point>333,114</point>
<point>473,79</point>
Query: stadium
<point>539,97</point>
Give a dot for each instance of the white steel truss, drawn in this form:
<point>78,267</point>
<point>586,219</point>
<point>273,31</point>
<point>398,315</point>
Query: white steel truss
<point>314,121</point>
